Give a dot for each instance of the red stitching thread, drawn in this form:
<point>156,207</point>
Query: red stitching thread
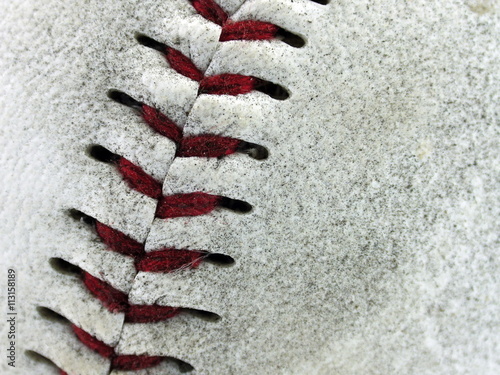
<point>194,146</point>
<point>178,205</point>
<point>210,146</point>
<point>117,302</point>
<point>113,299</point>
<point>228,84</point>
<point>93,343</point>
<point>163,260</point>
<point>182,64</point>
<point>161,123</point>
<point>240,30</point>
<point>118,362</point>
<point>150,313</point>
<point>210,10</point>
<point>118,241</point>
<point>169,260</point>
<point>139,180</point>
<point>192,204</point>
<point>248,30</point>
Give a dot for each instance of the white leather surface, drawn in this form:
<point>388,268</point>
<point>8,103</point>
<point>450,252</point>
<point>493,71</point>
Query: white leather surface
<point>373,244</point>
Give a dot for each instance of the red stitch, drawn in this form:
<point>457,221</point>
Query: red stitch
<point>118,241</point>
<point>203,145</point>
<point>62,372</point>
<point>191,204</point>
<point>239,30</point>
<point>165,260</point>
<point>182,64</point>
<point>118,362</point>
<point>139,180</point>
<point>208,146</point>
<point>161,123</point>
<point>150,313</point>
<point>116,302</point>
<point>157,261</point>
<point>228,84</point>
<point>134,362</point>
<point>92,343</point>
<point>210,10</point>
<point>248,30</point>
<point>169,260</point>
<point>113,299</point>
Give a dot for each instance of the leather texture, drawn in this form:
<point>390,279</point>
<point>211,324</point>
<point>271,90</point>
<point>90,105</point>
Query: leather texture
<point>372,245</point>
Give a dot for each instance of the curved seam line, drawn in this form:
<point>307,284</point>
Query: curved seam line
<point>166,175</point>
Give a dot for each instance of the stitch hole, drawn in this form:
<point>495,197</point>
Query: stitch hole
<point>203,315</point>
<point>184,367</point>
<point>253,150</point>
<point>38,358</point>
<point>289,38</point>
<point>64,267</point>
<point>219,259</point>
<point>50,315</point>
<point>125,99</point>
<point>322,2</point>
<point>235,205</point>
<point>80,216</point>
<point>273,90</point>
<point>102,154</point>
<point>146,41</point>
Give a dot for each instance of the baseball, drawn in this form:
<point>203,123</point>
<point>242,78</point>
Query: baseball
<point>242,187</point>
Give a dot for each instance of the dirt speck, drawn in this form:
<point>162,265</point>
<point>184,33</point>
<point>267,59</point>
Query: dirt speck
<point>423,150</point>
<point>482,7</point>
